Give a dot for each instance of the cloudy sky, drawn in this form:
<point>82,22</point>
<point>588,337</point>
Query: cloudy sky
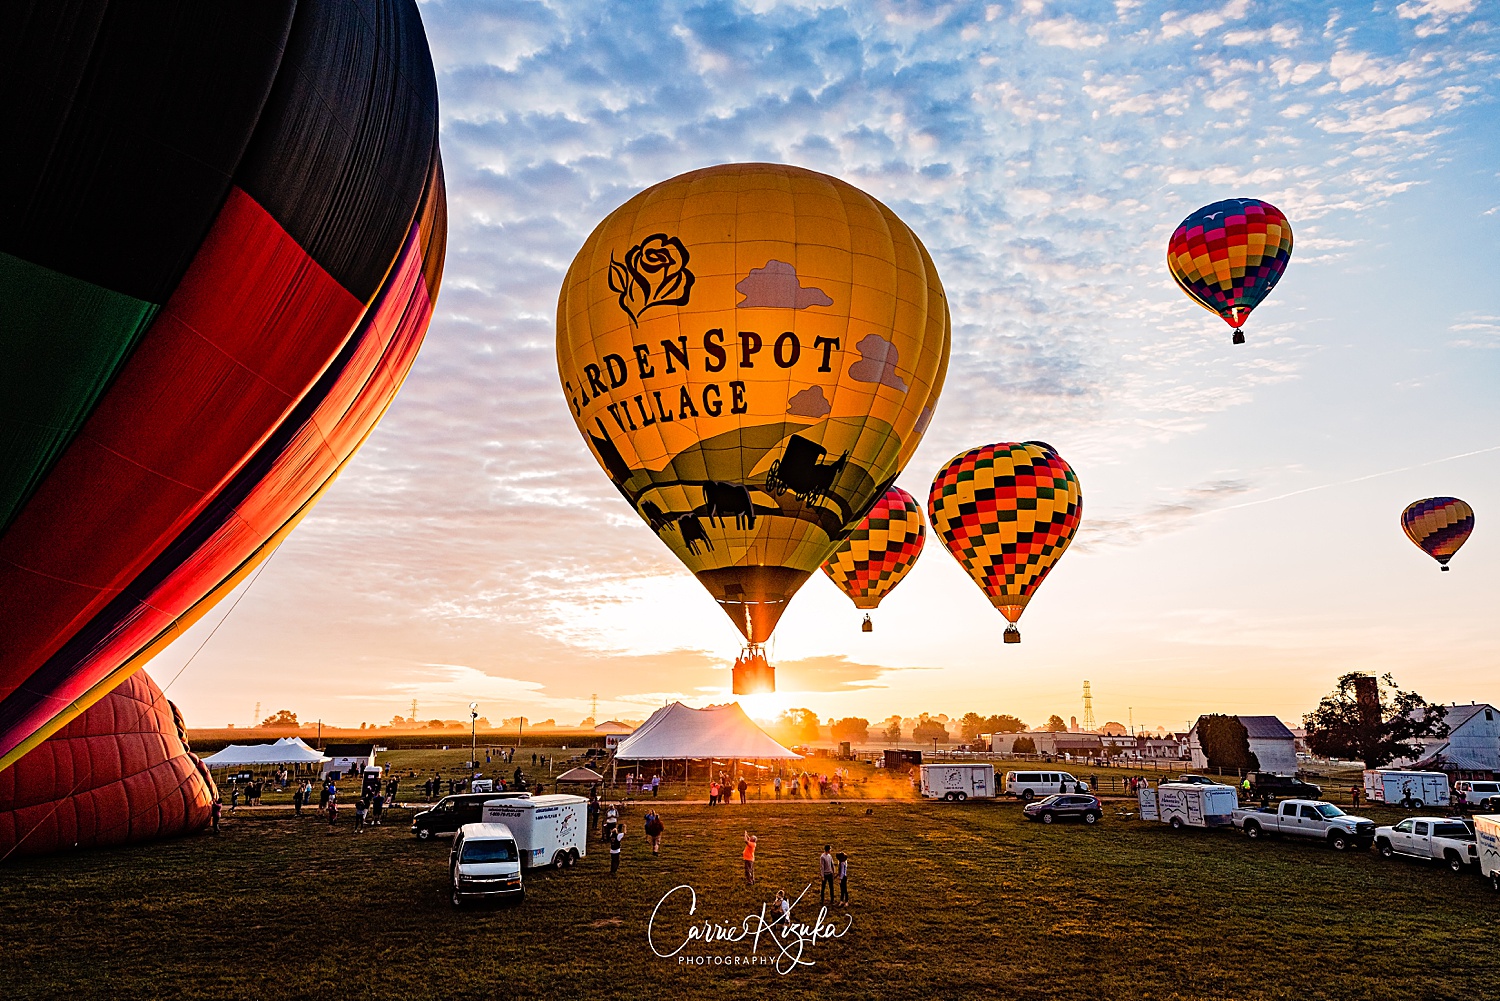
<point>1240,545</point>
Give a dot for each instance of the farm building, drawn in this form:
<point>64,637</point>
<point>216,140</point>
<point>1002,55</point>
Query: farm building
<point>1078,745</point>
<point>348,759</point>
<point>1271,742</point>
<point>1471,749</point>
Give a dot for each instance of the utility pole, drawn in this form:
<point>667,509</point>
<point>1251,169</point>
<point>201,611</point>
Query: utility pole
<point>1088,709</point>
<point>473,735</point>
<point>1132,720</point>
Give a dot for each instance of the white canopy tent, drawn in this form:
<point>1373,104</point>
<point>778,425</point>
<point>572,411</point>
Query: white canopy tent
<point>286,751</point>
<point>677,731</point>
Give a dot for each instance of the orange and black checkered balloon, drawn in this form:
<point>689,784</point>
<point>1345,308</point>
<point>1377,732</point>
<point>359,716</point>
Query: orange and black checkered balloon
<point>1007,513</point>
<point>879,552</point>
<point>1439,526</point>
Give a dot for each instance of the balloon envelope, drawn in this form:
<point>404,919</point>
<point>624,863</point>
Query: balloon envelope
<point>1007,513</point>
<point>1439,526</point>
<point>1229,255</point>
<point>881,549</point>
<point>118,773</point>
<point>219,249</point>
<point>752,353</point>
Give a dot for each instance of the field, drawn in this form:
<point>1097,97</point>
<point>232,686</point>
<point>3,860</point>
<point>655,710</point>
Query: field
<point>949,901</point>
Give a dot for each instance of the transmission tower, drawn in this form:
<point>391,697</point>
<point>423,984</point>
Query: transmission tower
<point>413,710</point>
<point>1088,708</point>
<point>256,720</point>
<point>594,707</point>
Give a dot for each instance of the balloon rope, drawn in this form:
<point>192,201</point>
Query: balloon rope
<point>147,708</point>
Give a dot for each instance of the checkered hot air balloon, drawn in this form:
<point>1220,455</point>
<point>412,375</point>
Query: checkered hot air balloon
<point>1229,255</point>
<point>1007,513</point>
<point>880,550</point>
<point>1439,526</point>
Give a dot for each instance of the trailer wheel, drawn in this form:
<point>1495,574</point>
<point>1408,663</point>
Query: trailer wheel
<point>962,796</point>
<point>1455,860</point>
<point>1385,849</point>
<point>573,857</point>
<point>1252,830</point>
<point>560,860</point>
<point>948,797</point>
<point>1176,823</point>
<point>1495,881</point>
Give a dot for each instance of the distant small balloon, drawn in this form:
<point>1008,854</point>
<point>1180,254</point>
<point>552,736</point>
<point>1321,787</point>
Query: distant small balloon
<point>1007,513</point>
<point>1439,526</point>
<point>880,551</point>
<point>1229,255</point>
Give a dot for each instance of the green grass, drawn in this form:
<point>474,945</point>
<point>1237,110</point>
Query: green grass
<point>951,901</point>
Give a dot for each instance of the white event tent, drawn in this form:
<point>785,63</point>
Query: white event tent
<point>680,733</point>
<point>286,751</point>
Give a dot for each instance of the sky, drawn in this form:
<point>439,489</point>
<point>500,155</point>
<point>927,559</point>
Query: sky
<point>1240,545</point>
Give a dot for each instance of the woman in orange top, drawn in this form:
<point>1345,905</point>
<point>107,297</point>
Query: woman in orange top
<point>749,857</point>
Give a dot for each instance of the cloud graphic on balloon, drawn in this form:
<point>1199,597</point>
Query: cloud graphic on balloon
<point>809,403</point>
<point>877,363</point>
<point>776,286</point>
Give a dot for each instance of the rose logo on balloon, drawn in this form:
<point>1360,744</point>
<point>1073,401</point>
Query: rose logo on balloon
<point>654,273</point>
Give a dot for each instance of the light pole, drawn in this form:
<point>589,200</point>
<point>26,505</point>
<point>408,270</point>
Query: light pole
<point>473,735</point>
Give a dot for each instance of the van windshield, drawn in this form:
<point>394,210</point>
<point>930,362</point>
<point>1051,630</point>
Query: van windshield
<point>489,851</point>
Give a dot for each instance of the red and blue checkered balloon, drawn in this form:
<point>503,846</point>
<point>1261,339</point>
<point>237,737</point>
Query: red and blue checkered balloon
<point>1229,255</point>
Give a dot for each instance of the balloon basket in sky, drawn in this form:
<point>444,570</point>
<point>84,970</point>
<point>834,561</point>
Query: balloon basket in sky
<point>752,353</point>
<point>752,673</point>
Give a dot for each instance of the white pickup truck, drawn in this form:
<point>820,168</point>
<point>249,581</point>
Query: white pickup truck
<point>1442,839</point>
<point>1307,818</point>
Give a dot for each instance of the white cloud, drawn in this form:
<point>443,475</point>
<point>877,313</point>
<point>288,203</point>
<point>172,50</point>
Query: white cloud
<point>1435,16</point>
<point>1176,23</point>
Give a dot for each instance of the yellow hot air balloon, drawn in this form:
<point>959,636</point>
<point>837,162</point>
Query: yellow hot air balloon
<point>752,352</point>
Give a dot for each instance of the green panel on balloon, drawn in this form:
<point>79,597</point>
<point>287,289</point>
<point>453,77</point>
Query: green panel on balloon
<point>61,342</point>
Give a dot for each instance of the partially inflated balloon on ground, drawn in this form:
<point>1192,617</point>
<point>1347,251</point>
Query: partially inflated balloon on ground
<point>1438,526</point>
<point>879,552</point>
<point>118,773</point>
<point>752,353</point>
<point>1229,255</point>
<point>220,242</point>
<point>1007,513</point>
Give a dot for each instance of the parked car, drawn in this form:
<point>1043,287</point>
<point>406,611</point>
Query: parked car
<point>485,864</point>
<point>1308,818</point>
<point>1445,839</point>
<point>1070,807</point>
<point>452,812</point>
<point>1199,780</point>
<point>1029,785</point>
<point>1282,786</point>
<point>1485,795</point>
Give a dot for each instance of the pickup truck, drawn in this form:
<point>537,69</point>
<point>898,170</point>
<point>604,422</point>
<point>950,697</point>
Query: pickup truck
<point>1307,818</point>
<point>1444,839</point>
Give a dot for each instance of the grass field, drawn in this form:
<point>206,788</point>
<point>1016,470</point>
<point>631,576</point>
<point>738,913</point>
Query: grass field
<point>950,901</point>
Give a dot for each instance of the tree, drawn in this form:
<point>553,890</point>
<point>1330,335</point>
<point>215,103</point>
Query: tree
<point>929,729</point>
<point>282,717</point>
<point>1055,724</point>
<point>1004,724</point>
<point>971,725</point>
<point>852,729</point>
<point>893,729</point>
<point>1372,720</point>
<point>799,726</point>
<point>1023,745</point>
<point>1226,743</point>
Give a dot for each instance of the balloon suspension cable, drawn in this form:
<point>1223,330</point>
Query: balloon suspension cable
<point>1012,634</point>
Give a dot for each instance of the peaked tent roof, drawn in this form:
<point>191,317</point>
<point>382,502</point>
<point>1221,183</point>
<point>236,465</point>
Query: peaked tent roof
<point>679,731</point>
<point>581,775</point>
<point>286,751</point>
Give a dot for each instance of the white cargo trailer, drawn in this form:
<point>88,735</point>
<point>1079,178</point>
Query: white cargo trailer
<point>958,781</point>
<point>1390,785</point>
<point>1190,804</point>
<point>1487,838</point>
<point>549,830</point>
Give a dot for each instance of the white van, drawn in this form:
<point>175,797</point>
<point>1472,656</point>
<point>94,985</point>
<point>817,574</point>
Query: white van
<point>958,782</point>
<point>1033,785</point>
<point>549,830</point>
<point>1190,804</point>
<point>485,864</point>
<point>1416,789</point>
<point>1485,795</point>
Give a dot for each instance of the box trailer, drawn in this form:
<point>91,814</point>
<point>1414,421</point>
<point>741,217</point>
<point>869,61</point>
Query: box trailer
<point>1487,839</point>
<point>1416,789</point>
<point>1190,804</point>
<point>958,781</point>
<point>549,830</point>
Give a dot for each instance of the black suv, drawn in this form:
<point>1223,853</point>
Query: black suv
<point>1283,787</point>
<point>1069,807</point>
<point>453,812</point>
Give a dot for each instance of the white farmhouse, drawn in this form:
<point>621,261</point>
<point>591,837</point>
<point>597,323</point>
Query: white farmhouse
<point>1471,750</point>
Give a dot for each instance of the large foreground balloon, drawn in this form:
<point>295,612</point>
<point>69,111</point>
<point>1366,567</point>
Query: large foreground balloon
<point>1229,255</point>
<point>752,353</point>
<point>220,242</point>
<point>1007,513</point>
<point>879,552</point>
<point>1438,526</point>
<point>120,772</point>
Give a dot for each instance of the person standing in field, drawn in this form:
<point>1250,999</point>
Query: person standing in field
<point>781,908</point>
<point>743,787</point>
<point>361,808</point>
<point>828,867</point>
<point>749,857</point>
<point>654,830</point>
<point>1354,797</point>
<point>377,806</point>
<point>616,842</point>
<point>843,861</point>
<point>713,792</point>
<point>214,809</point>
<point>777,786</point>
